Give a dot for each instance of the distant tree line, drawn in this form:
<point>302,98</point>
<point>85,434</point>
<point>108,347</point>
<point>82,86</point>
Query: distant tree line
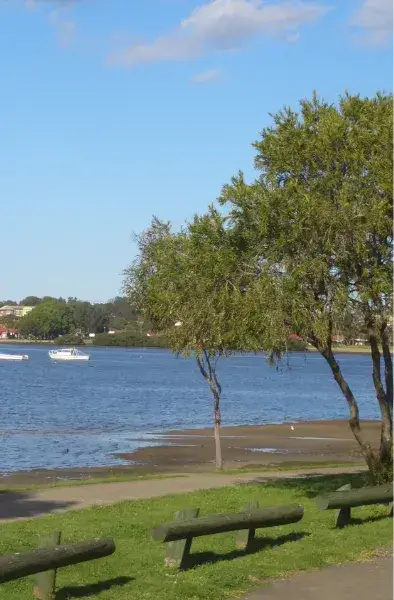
<point>70,321</point>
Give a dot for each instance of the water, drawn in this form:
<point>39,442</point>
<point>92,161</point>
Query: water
<point>72,415</point>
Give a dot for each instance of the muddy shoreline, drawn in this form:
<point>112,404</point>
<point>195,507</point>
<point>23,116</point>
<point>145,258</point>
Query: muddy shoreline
<point>243,447</point>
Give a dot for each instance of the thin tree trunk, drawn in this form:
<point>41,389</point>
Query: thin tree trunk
<point>354,417</point>
<point>209,374</point>
<point>386,427</point>
<point>388,367</point>
<point>218,444</point>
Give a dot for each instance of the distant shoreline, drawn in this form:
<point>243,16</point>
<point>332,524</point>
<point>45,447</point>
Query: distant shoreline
<point>27,342</point>
<point>337,349</point>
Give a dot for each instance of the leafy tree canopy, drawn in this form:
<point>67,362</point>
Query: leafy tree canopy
<point>319,217</point>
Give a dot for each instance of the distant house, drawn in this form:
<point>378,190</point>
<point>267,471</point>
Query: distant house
<point>7,332</point>
<point>15,311</point>
<point>7,311</point>
<point>338,339</point>
<point>295,338</point>
<point>114,331</point>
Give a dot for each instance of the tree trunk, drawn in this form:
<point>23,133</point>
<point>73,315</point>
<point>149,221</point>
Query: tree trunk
<point>388,367</point>
<point>385,451</point>
<point>218,443</point>
<point>354,418</point>
<point>208,371</point>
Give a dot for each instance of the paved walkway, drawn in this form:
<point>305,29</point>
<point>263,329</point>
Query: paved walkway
<point>19,505</point>
<point>355,581</point>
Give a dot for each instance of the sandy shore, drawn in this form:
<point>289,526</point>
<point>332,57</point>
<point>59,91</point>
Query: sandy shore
<point>243,447</point>
<point>264,445</point>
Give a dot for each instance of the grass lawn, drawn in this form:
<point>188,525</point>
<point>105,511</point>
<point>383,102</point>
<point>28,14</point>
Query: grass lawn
<point>348,349</point>
<point>124,477</point>
<point>219,571</point>
<point>94,480</point>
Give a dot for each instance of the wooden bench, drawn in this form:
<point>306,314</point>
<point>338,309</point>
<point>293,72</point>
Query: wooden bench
<point>345,498</point>
<point>50,556</point>
<point>178,535</point>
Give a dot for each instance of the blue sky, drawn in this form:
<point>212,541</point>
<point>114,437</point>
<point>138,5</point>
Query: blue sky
<point>114,110</point>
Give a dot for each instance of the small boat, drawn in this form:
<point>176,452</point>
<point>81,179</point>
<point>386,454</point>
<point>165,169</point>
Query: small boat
<point>5,356</point>
<point>71,354</point>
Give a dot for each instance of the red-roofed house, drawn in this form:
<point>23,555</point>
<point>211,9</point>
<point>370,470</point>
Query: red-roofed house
<point>6,332</point>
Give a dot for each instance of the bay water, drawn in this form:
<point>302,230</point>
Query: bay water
<point>56,415</point>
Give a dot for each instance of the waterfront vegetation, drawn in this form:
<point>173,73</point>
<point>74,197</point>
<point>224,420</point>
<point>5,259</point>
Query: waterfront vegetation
<point>219,571</point>
<point>70,321</point>
<point>305,249</point>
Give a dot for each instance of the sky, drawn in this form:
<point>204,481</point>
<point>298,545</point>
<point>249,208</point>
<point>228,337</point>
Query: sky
<point>116,110</point>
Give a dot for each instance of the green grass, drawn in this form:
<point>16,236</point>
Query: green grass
<point>291,466</point>
<point>92,481</point>
<point>124,477</point>
<point>348,349</point>
<point>219,571</point>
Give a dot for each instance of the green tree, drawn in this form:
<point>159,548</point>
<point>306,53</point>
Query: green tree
<point>166,282</point>
<point>87,317</point>
<point>192,287</point>
<point>48,320</point>
<point>318,221</point>
<point>30,301</point>
<point>10,322</point>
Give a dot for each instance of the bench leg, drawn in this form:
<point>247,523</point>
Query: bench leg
<point>177,552</point>
<point>246,536</point>
<point>46,581</point>
<point>344,515</point>
<point>344,518</point>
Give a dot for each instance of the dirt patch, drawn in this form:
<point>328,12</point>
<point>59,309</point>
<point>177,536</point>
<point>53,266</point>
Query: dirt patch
<point>264,445</point>
<point>192,451</point>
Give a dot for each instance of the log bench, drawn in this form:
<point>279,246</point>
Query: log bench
<point>345,498</point>
<point>178,535</point>
<point>44,561</point>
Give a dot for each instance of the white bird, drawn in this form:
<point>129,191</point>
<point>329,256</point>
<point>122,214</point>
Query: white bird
<point>178,323</point>
<point>291,427</point>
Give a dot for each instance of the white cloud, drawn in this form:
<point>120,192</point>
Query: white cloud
<point>375,21</point>
<point>30,4</point>
<point>223,25</point>
<point>66,33</point>
<point>66,28</point>
<point>206,76</point>
<point>33,4</point>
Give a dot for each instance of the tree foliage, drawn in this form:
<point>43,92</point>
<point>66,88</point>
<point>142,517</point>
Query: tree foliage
<point>190,285</point>
<point>305,249</point>
<point>48,320</point>
<point>30,301</point>
<point>82,317</point>
<point>320,216</point>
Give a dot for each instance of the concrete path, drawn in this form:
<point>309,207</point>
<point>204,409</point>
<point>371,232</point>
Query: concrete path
<point>355,581</point>
<point>17,505</point>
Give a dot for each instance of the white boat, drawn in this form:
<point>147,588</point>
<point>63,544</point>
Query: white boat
<point>4,356</point>
<point>71,354</point>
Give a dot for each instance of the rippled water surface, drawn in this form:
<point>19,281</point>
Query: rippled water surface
<point>67,415</point>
